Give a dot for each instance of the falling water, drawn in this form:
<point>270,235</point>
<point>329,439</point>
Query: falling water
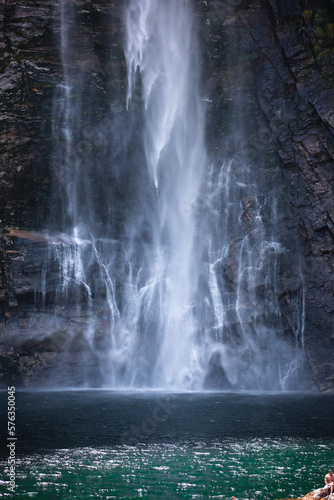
<point>174,284</point>
<point>160,51</point>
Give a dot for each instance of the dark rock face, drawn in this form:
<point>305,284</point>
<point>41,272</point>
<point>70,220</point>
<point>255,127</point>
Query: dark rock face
<point>267,70</point>
<point>288,92</point>
<point>304,134</point>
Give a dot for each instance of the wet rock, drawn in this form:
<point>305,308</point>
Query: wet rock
<point>216,377</point>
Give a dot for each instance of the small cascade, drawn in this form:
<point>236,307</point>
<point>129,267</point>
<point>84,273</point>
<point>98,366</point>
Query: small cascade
<point>66,122</point>
<point>245,285</point>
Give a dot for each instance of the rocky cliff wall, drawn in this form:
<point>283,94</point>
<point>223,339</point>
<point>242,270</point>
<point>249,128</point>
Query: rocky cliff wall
<point>268,70</point>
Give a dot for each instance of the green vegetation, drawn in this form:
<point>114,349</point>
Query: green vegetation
<point>319,32</point>
<point>322,20</point>
<point>308,15</point>
<point>330,31</point>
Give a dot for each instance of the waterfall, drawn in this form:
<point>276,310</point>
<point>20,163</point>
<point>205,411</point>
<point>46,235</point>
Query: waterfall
<point>168,263</point>
<point>161,57</point>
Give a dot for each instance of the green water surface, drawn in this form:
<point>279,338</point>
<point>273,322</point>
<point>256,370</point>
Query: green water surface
<point>249,469</point>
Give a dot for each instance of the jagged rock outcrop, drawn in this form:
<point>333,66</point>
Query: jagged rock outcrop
<point>268,69</point>
<point>320,494</point>
<point>316,494</point>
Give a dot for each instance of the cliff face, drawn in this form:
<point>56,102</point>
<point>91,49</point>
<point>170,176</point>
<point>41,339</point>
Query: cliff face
<point>268,71</point>
<point>294,91</point>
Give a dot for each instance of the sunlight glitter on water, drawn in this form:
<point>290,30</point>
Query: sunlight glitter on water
<point>249,469</point>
